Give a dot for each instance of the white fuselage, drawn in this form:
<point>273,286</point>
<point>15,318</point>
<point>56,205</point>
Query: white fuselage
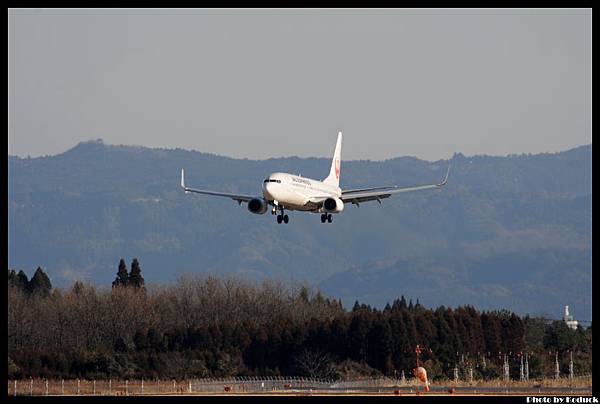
<point>295,192</point>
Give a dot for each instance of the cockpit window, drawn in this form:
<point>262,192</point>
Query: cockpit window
<point>270,180</point>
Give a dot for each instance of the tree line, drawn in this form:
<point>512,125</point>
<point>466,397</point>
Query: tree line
<point>207,326</point>
<point>38,285</point>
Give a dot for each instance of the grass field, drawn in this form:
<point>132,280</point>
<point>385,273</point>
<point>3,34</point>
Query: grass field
<point>257,387</point>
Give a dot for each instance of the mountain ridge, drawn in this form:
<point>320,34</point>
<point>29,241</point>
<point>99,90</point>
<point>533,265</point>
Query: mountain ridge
<point>101,142</point>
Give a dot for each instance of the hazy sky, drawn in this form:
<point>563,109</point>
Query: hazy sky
<point>269,83</point>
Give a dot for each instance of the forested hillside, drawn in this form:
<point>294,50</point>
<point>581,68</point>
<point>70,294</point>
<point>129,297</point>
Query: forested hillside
<point>506,232</point>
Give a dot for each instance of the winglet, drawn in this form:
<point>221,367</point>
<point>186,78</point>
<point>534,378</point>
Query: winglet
<point>183,182</point>
<point>445,178</point>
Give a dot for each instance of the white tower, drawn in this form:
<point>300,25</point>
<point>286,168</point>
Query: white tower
<point>568,319</point>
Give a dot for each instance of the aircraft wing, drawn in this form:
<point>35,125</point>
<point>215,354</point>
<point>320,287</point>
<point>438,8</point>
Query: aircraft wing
<point>376,194</point>
<point>235,197</point>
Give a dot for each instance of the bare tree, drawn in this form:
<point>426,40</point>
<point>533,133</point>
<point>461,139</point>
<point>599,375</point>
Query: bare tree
<point>315,364</point>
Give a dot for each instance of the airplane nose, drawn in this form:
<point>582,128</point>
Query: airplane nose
<point>268,189</point>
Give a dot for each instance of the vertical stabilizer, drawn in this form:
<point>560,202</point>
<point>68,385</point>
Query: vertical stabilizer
<point>334,173</point>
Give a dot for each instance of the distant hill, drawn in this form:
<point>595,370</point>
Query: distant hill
<point>506,232</point>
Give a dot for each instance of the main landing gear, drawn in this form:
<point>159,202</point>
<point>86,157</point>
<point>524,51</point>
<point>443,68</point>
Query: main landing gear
<point>281,217</point>
<point>326,217</point>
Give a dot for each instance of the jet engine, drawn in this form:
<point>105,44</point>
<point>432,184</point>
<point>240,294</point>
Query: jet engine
<point>258,206</point>
<point>334,205</point>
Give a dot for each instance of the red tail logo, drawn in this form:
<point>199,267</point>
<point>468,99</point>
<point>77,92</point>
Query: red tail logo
<point>337,169</point>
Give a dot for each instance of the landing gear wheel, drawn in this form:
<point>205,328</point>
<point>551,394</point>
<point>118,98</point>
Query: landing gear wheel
<point>279,219</point>
<point>323,218</point>
<point>329,218</point>
<point>286,219</point>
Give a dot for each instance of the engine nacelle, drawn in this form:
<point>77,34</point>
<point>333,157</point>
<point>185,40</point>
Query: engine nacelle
<point>333,205</point>
<point>258,206</point>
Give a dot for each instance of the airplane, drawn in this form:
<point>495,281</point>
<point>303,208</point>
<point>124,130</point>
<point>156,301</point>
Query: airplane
<point>283,191</point>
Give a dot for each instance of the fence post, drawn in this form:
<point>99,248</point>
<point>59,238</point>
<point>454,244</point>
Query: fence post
<point>31,386</point>
<point>189,386</point>
<point>62,387</point>
<point>110,386</point>
<point>126,387</point>
<point>15,389</point>
<point>94,389</point>
<point>78,385</point>
<point>46,386</point>
<point>173,385</point>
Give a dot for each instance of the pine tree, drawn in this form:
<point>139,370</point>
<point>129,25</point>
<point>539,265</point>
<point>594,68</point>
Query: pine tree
<point>120,345</point>
<point>135,276</point>
<point>491,332</point>
<point>380,345</point>
<point>122,275</point>
<point>303,294</point>
<point>22,281</point>
<point>12,278</point>
<point>403,302</point>
<point>78,288</point>
<point>40,283</point>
